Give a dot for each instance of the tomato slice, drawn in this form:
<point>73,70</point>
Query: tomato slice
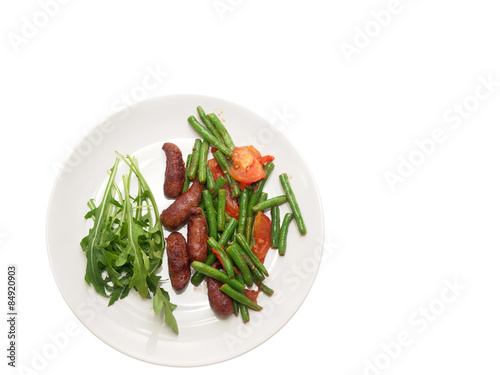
<point>232,206</point>
<point>245,165</point>
<point>252,294</point>
<point>215,168</point>
<point>262,235</point>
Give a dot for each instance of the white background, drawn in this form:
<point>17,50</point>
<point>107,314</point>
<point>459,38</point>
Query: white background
<point>388,253</point>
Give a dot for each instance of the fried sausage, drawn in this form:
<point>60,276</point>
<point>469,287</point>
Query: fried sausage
<point>175,171</point>
<point>175,215</point>
<point>220,302</point>
<point>197,235</point>
<point>178,261</point>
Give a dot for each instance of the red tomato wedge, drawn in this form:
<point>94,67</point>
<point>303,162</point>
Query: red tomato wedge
<point>252,294</point>
<point>262,235</point>
<point>215,168</point>
<point>245,165</point>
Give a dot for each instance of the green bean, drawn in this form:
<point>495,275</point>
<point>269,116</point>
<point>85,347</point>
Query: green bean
<point>202,163</point>
<point>193,168</point>
<point>285,183</point>
<point>228,232</point>
<point>245,316</point>
<point>243,204</point>
<point>216,274</point>
<point>186,179</point>
<point>222,130</point>
<point>240,297</point>
<point>268,203</point>
<point>284,233</point>
<point>210,183</point>
<point>206,134</point>
<point>209,208</point>
<point>262,198</point>
<point>265,289</point>
<point>254,199</point>
<point>208,123</point>
<point>246,247</point>
<point>275,226</point>
<point>234,254</point>
<point>221,210</point>
<point>219,184</point>
<point>227,263</point>
<point>198,276</point>
<point>224,165</point>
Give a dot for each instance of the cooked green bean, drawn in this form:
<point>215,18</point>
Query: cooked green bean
<point>275,226</point>
<point>240,297</point>
<point>208,123</point>
<point>265,289</point>
<point>268,203</point>
<point>198,276</point>
<point>221,210</point>
<point>245,316</point>
<point>285,183</point>
<point>284,233</point>
<point>202,163</point>
<point>216,274</point>
<point>254,199</point>
<point>206,134</point>
<point>234,254</point>
<point>228,232</point>
<point>193,167</point>
<point>224,165</point>
<point>243,205</point>
<point>219,184</point>
<point>210,210</point>
<point>227,263</point>
<point>186,179</point>
<point>210,183</point>
<point>246,247</point>
<point>222,130</point>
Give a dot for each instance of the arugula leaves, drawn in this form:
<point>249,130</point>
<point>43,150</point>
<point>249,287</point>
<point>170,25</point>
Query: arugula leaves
<point>125,245</point>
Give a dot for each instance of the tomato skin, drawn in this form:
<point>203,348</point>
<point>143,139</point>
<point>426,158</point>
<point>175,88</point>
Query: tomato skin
<point>266,159</point>
<point>261,235</point>
<point>215,168</point>
<point>245,166</point>
<point>252,294</point>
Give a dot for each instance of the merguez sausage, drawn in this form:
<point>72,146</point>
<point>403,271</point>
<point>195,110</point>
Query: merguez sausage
<point>178,261</point>
<point>220,302</point>
<point>175,215</point>
<point>175,171</point>
<point>197,235</point>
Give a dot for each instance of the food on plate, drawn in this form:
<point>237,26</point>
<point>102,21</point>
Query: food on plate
<point>220,302</point>
<point>229,234</point>
<point>176,215</point>
<point>197,235</point>
<point>178,261</point>
<point>175,171</point>
<point>125,246</point>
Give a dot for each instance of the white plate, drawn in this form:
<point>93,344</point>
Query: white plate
<point>130,325</point>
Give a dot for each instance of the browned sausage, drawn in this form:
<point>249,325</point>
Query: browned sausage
<point>197,235</point>
<point>220,302</point>
<point>175,171</point>
<point>175,215</point>
<point>178,261</point>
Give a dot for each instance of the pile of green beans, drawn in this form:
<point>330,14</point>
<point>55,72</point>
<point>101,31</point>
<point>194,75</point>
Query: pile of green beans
<point>231,240</point>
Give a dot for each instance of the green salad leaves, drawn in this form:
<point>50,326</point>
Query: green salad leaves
<point>125,246</point>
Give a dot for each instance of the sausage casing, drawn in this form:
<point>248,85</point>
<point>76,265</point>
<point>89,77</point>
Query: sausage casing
<point>178,261</point>
<point>197,235</point>
<point>175,171</point>
<point>175,215</point>
<point>220,302</point>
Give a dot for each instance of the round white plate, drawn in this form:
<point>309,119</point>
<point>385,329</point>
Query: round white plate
<point>130,325</point>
